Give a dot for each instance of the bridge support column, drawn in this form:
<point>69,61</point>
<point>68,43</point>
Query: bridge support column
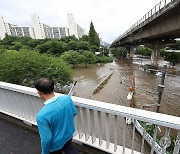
<point>155,55</point>
<point>156,47</point>
<point>131,51</point>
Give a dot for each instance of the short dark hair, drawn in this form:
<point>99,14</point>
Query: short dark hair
<point>44,85</point>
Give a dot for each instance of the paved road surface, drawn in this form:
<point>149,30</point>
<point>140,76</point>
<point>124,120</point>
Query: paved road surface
<point>15,139</point>
<point>19,138</point>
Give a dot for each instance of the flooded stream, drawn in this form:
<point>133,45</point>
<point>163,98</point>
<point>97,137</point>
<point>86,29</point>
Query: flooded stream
<point>116,93</point>
<point>117,88</point>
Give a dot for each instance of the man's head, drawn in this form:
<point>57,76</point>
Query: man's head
<point>45,87</point>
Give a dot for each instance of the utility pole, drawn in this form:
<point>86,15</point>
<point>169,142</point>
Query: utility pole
<point>160,89</point>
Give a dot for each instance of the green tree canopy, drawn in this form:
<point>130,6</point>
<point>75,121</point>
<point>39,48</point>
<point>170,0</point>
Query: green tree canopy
<point>52,47</point>
<point>72,57</point>
<point>88,57</point>
<point>93,36</point>
<point>84,38</point>
<point>145,51</point>
<point>72,45</point>
<point>175,46</point>
<point>83,45</point>
<point>67,39</point>
<point>24,67</point>
<point>119,52</point>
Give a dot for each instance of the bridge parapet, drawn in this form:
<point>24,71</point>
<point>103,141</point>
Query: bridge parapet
<point>98,124</point>
<point>155,12</point>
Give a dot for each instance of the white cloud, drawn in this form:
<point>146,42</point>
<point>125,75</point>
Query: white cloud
<point>110,17</point>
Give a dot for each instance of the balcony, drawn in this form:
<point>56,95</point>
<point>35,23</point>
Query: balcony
<point>98,124</point>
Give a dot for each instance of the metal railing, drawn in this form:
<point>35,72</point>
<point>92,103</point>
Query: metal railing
<point>98,124</point>
<point>156,11</point>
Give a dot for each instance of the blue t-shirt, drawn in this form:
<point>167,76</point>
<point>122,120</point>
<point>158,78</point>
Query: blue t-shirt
<point>56,123</point>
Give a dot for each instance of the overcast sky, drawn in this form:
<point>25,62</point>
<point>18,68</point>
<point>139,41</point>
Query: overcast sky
<point>110,17</point>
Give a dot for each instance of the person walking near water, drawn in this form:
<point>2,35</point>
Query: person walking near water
<point>55,120</point>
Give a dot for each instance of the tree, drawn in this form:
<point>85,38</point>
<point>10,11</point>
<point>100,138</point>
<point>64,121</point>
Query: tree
<point>56,47</point>
<point>84,38</point>
<point>119,53</point>
<point>93,36</point>
<point>175,46</point>
<point>72,57</point>
<point>24,67</point>
<point>72,45</point>
<point>17,46</point>
<point>88,57</point>
<point>9,40</point>
<point>144,51</point>
<point>94,48</point>
<point>52,47</point>
<point>67,39</point>
<point>33,43</point>
<point>83,45</point>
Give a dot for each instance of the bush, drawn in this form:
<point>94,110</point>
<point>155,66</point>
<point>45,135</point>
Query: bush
<point>104,59</point>
<point>144,51</point>
<point>24,67</point>
<point>172,57</point>
<point>119,53</point>
<point>88,57</point>
<point>72,57</point>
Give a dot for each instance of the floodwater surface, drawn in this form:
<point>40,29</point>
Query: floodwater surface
<point>115,91</point>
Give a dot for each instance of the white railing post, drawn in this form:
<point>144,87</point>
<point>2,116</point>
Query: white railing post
<point>92,125</point>
<point>85,121</point>
<point>99,128</point>
<point>144,133</point>
<point>115,133</point>
<point>166,141</point>
<point>133,136</point>
<point>124,134</point>
<point>154,139</point>
<point>79,123</point>
<point>177,144</point>
<point>107,130</point>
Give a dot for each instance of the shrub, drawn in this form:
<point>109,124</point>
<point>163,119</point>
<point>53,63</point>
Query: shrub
<point>24,67</point>
<point>72,57</point>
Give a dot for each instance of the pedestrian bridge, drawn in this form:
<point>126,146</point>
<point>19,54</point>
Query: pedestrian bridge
<point>98,124</point>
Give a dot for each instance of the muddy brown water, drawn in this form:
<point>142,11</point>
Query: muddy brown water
<point>117,88</point>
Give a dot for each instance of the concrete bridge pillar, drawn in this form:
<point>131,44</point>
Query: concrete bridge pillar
<point>156,47</point>
<point>155,55</point>
<point>131,53</point>
<point>131,50</point>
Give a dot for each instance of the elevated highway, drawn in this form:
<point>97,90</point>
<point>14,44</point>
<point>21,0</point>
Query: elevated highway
<point>156,29</point>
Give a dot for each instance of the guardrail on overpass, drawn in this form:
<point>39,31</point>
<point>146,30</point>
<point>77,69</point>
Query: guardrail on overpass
<point>155,12</point>
<point>98,124</point>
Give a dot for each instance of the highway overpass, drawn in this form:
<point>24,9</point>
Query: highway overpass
<point>156,29</point>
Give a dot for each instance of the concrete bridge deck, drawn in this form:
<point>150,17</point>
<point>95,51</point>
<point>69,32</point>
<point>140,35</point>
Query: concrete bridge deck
<point>17,137</point>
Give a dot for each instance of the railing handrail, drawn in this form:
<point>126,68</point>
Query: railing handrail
<point>147,116</point>
<point>157,9</point>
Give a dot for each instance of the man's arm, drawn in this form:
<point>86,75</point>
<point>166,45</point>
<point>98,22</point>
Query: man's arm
<point>45,135</point>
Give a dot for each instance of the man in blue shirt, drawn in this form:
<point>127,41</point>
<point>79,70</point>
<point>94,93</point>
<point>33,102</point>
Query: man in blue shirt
<point>55,120</point>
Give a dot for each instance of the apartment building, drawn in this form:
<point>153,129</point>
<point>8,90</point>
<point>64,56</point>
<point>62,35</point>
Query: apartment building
<point>40,30</point>
<point>14,30</point>
<point>74,28</point>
